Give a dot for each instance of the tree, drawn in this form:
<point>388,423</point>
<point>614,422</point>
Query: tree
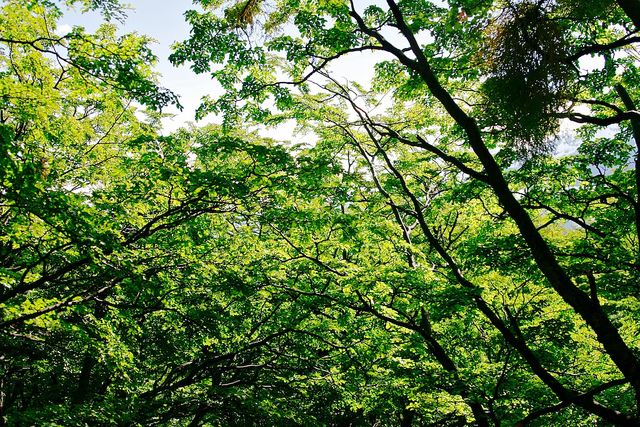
<point>132,291</point>
<point>435,263</point>
<point>538,253</point>
<point>87,190</point>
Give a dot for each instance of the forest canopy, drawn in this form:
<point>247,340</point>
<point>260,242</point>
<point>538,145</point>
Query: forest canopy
<point>453,242</point>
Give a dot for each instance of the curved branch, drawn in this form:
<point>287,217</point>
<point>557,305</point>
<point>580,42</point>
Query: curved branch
<point>596,48</point>
<point>607,334</point>
<point>557,407</point>
<point>603,121</point>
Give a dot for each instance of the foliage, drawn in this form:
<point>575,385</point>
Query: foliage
<point>529,78</point>
<point>423,259</point>
<point>520,240</point>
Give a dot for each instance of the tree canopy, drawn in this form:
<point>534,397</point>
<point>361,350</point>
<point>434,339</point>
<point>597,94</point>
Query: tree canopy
<point>454,242</point>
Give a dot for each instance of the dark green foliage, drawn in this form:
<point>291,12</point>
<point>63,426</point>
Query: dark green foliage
<point>422,260</point>
<point>530,79</point>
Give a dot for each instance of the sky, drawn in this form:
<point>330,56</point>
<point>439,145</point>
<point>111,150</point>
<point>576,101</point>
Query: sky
<point>164,21</point>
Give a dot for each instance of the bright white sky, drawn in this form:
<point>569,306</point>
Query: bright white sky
<point>164,21</point>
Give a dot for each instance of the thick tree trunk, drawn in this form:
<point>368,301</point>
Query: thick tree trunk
<point>407,417</point>
<point>632,9</point>
<point>630,105</point>
<point>607,334</point>
<point>85,378</point>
